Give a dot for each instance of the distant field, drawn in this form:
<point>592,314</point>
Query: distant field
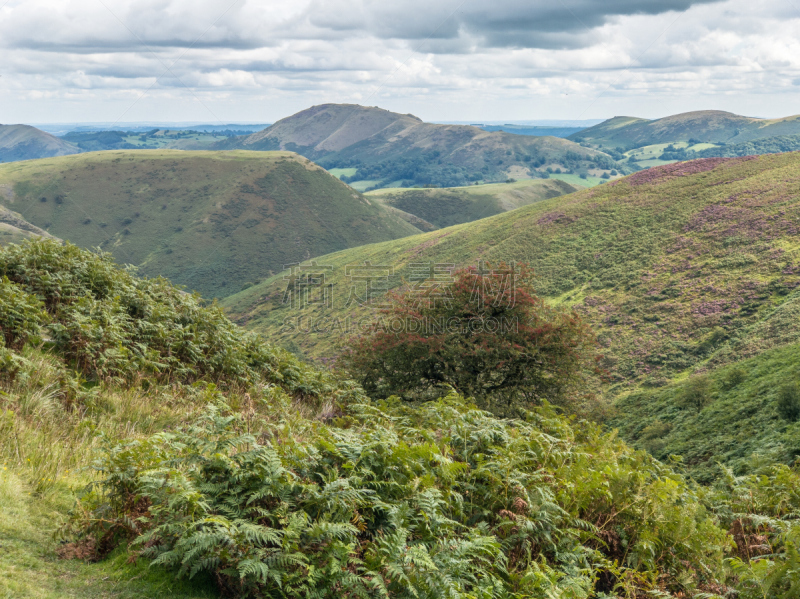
<point>363,185</point>
<point>654,162</point>
<point>342,172</point>
<point>589,181</point>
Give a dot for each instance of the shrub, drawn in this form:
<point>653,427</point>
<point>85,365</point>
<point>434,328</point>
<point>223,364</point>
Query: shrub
<point>487,335</point>
<point>696,393</point>
<point>733,378</point>
<point>110,324</point>
<point>788,403</point>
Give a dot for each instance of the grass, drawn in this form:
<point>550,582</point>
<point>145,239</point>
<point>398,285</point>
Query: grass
<point>365,184</point>
<point>448,206</point>
<point>680,269</point>
<point>579,181</point>
<point>650,265</point>
<point>30,567</point>
<point>44,454</point>
<point>739,426</point>
<point>213,221</point>
<point>342,172</point>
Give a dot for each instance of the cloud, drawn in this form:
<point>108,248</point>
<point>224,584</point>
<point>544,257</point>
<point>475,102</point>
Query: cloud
<point>255,60</point>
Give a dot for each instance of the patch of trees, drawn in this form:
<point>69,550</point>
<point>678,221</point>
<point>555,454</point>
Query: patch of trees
<point>770,145</point>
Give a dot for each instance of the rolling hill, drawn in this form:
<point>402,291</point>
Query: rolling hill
<point>152,449</point>
<point>680,269</point>
<point>211,221</point>
<point>448,206</point>
<point>388,148</point>
<point>711,126</point>
<point>22,142</point>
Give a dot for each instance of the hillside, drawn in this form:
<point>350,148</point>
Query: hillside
<point>151,449</point>
<point>386,148</point>
<point>208,220</point>
<point>22,142</point>
<point>448,206</point>
<point>710,126</point>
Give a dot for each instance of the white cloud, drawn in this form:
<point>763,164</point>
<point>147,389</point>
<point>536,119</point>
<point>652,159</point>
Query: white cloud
<point>261,60</point>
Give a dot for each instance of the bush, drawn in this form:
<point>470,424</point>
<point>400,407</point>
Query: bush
<point>487,335</point>
<point>788,403</point>
<point>696,393</point>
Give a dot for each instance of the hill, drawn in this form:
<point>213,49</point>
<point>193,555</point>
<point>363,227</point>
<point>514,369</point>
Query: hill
<point>211,221</point>
<point>150,448</point>
<point>388,148</point>
<point>710,126</point>
<point>448,206</point>
<point>674,267</point>
<point>22,142</point>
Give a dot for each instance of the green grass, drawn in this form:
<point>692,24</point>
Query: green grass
<point>668,270</point>
<point>448,206</point>
<point>739,427</point>
<point>31,568</point>
<point>213,221</point>
<point>342,172</point>
<point>684,274</point>
<point>579,181</point>
<point>364,184</point>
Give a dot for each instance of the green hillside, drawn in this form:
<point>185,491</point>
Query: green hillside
<point>455,205</point>
<point>388,149</point>
<point>677,268</point>
<point>150,449</point>
<point>213,221</point>
<point>22,142</point>
<point>714,126</point>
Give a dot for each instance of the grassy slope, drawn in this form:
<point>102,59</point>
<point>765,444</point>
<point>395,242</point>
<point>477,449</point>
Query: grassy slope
<point>455,205</point>
<point>655,261</point>
<point>675,269</point>
<point>705,125</point>
<point>212,221</point>
<point>740,426</point>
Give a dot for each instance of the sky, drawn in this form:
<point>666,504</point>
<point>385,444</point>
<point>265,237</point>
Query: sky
<point>224,61</point>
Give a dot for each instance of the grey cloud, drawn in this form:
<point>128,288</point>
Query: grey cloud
<point>513,23</point>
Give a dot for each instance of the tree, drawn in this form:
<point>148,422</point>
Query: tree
<point>486,334</point>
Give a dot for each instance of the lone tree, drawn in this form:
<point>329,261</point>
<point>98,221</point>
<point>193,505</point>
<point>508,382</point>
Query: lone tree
<point>485,333</point>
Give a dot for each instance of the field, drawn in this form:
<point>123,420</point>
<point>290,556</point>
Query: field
<point>342,172</point>
<point>213,221</point>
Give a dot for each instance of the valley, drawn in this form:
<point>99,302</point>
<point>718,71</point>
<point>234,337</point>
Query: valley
<point>682,277</point>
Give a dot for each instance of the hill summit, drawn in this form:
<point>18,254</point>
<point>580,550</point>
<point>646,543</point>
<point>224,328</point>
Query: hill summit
<point>213,221</point>
<point>23,142</point>
<point>711,126</point>
<point>386,149</point>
